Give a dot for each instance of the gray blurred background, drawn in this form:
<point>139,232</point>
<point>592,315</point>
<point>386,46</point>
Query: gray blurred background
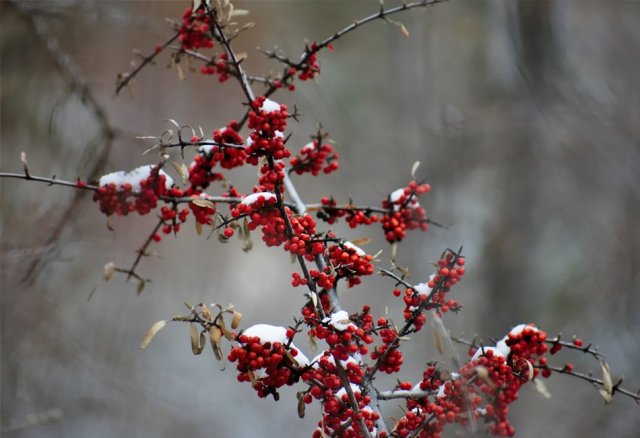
<point>525,117</point>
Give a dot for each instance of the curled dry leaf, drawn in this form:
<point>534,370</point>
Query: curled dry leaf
<point>607,382</point>
<point>301,404</point>
<point>23,158</point>
<point>182,170</point>
<point>206,313</point>
<point>414,168</point>
<point>235,320</point>
<point>155,328</point>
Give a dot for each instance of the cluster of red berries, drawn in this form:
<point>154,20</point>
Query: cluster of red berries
<point>116,199</point>
<point>203,213</point>
<point>217,66</point>
<point>267,365</point>
<point>311,67</point>
<point>315,157</point>
<point>268,121</point>
<point>404,212</point>
<point>339,419</point>
<point>195,31</point>
<point>228,157</point>
<point>271,177</point>
<point>330,212</point>
<point>349,262</point>
<point>390,357</point>
<point>172,219</point>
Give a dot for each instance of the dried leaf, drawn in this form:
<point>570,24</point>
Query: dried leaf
<point>403,30</point>
<point>362,241</point>
<point>23,158</point>
<point>312,343</point>
<point>235,321</point>
<point>314,299</point>
<point>108,271</point>
<point>155,328</point>
<point>607,392</point>
<point>437,341</point>
<point>193,333</point>
<point>394,252</point>
<point>301,404</point>
<point>541,388</point>
<point>182,171</point>
<point>204,203</point>
<point>206,313</point>
<point>530,370</point>
<point>109,225</point>
<point>414,168</point>
<point>141,285</point>
<point>483,374</point>
<point>239,12</point>
<point>198,228</point>
<point>215,335</point>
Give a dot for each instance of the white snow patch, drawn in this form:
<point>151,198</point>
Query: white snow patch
<point>271,333</point>
<point>357,249</point>
<point>269,106</point>
<point>308,147</point>
<point>343,391</point>
<point>253,198</point>
<point>502,343</point>
<point>267,333</point>
<point>395,196</point>
<point>133,177</point>
<point>339,320</point>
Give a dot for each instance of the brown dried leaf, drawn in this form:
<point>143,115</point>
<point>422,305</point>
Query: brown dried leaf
<point>204,203</point>
<point>235,320</point>
<point>193,333</point>
<point>198,228</point>
<point>437,341</point>
<point>206,313</point>
<point>155,328</point>
<point>301,404</point>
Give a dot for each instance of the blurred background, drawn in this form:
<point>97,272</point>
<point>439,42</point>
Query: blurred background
<point>525,116</point>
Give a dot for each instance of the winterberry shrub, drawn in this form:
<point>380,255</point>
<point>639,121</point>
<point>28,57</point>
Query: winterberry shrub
<point>474,393</point>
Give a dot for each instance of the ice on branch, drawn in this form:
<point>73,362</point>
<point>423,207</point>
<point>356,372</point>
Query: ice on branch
<point>133,177</point>
<point>255,197</point>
